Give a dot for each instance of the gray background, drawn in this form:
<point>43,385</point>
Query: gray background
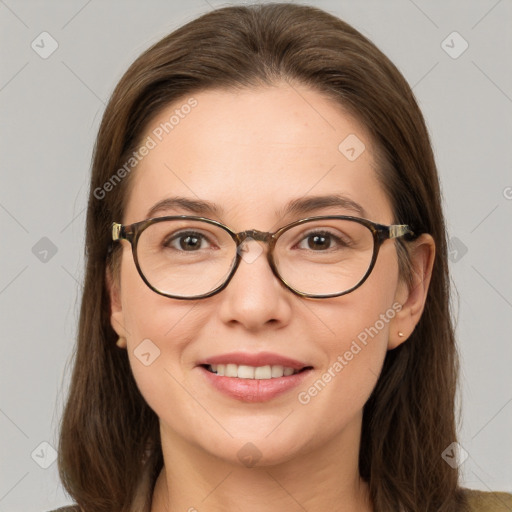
<point>51,109</point>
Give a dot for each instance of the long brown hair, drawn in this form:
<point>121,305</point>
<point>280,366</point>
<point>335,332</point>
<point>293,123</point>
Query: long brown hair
<point>409,419</point>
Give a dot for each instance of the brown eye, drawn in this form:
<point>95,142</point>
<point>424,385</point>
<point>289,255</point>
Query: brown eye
<point>187,241</point>
<point>319,242</point>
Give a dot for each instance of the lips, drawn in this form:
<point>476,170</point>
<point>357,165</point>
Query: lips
<point>253,377</point>
<point>251,372</point>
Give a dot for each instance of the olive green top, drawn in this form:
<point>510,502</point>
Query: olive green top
<point>479,501</point>
<point>489,501</point>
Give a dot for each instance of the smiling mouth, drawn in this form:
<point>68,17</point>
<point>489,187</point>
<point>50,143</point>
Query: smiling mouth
<point>252,372</point>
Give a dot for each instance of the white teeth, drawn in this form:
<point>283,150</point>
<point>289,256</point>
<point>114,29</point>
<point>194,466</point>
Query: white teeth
<point>263,372</point>
<point>251,372</point>
<point>231,370</point>
<point>277,371</point>
<point>245,372</point>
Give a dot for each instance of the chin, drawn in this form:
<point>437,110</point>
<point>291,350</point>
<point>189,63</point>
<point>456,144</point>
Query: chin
<point>264,445</point>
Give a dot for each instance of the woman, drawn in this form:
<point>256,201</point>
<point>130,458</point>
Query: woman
<point>265,320</point>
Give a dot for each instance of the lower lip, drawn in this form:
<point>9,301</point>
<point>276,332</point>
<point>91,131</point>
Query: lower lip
<point>254,390</point>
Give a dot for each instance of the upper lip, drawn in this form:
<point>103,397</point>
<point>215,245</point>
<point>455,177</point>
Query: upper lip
<point>259,359</point>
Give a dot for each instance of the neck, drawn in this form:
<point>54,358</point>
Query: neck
<point>322,479</point>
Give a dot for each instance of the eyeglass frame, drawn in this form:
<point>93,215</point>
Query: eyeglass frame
<point>380,232</point>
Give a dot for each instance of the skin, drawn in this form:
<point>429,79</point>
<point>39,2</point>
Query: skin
<point>250,153</point>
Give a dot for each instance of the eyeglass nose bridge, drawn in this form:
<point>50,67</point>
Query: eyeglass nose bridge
<point>260,236</point>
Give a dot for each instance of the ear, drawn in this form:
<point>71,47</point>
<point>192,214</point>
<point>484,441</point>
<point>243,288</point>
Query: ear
<point>412,295</point>
<point>116,309</point>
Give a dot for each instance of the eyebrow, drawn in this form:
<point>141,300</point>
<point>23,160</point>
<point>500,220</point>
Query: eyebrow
<point>196,206</point>
<point>309,204</point>
<point>299,206</point>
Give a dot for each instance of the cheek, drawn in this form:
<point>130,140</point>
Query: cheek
<point>366,312</point>
<point>354,356</point>
<point>354,340</point>
<point>159,334</point>
<point>146,314</point>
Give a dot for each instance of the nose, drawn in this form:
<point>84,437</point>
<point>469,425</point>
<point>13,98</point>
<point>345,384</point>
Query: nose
<point>255,298</point>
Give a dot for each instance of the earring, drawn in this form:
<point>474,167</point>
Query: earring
<point>400,334</point>
<point>121,342</point>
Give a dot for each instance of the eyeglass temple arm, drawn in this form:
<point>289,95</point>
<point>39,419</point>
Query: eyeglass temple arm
<point>117,232</point>
<point>398,230</point>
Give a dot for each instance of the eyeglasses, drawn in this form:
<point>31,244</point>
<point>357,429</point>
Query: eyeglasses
<point>187,257</point>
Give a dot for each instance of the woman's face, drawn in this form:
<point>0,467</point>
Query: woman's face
<point>250,155</point>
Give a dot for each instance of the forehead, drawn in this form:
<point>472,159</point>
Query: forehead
<point>250,152</point>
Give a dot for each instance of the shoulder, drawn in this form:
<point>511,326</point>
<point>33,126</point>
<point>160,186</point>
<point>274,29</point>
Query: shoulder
<point>480,501</point>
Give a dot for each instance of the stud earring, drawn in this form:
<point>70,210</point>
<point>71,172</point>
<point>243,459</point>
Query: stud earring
<point>121,342</point>
<point>401,334</point>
